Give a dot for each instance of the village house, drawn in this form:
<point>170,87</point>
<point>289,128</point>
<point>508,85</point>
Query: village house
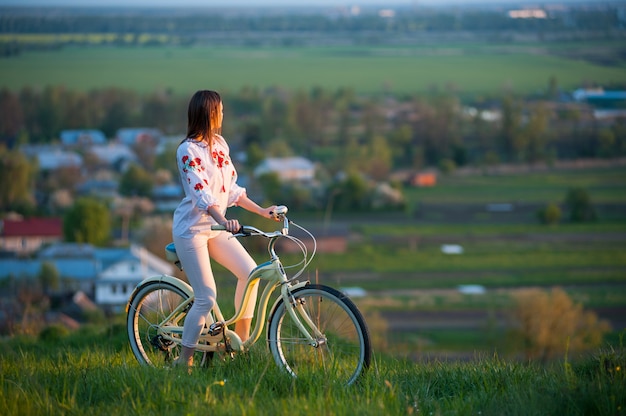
<point>100,188</point>
<point>106,275</point>
<point>25,236</point>
<point>116,156</point>
<point>82,137</point>
<point>288,169</point>
<point>140,135</point>
<point>50,157</point>
<point>122,270</point>
<point>167,197</point>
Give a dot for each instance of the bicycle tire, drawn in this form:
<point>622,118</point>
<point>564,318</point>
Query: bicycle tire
<point>346,351</point>
<point>149,306</point>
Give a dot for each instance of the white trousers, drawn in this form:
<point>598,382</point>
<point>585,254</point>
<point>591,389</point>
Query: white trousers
<point>195,255</point>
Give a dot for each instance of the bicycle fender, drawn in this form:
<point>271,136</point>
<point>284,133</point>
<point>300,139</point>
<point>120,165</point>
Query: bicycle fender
<point>162,278</point>
<point>280,298</point>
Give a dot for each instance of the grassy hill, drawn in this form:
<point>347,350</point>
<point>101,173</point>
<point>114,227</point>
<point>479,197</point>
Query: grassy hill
<point>92,372</point>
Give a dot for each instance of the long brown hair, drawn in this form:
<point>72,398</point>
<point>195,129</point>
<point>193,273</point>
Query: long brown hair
<point>203,116</point>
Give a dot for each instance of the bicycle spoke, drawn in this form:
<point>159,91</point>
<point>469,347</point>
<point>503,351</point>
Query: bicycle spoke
<point>148,311</point>
<point>343,351</point>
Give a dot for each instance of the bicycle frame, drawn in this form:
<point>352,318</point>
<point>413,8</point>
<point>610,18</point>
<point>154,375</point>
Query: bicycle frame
<point>216,336</point>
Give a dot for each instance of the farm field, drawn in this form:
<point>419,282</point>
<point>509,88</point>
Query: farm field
<point>487,68</point>
<point>415,287</point>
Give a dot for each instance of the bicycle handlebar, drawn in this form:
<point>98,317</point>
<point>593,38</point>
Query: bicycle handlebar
<point>246,230</point>
<point>279,214</point>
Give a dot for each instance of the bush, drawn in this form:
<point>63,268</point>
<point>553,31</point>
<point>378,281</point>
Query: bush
<point>447,166</point>
<point>551,324</point>
<point>53,333</point>
<point>579,204</point>
<point>550,214</point>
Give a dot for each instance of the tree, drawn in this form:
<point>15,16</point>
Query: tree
<point>117,107</point>
<point>254,155</point>
<point>51,112</point>
<point>48,277</point>
<point>606,142</point>
<point>553,88</point>
<point>136,181</point>
<point>551,324</point>
<point>352,194</point>
<point>579,204</point>
<point>166,159</point>
<point>510,142</point>
<point>380,158</point>
<point>16,180</point>
<point>11,116</point>
<point>436,128</point>
<point>536,133</point>
<point>271,186</point>
<point>550,214</point>
<point>400,143</point>
<point>87,221</point>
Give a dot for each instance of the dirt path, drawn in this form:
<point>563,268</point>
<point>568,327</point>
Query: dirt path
<point>410,321</point>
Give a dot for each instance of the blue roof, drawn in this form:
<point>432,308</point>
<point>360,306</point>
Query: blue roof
<point>18,267</point>
<point>129,135</point>
<point>72,260</point>
<point>109,256</point>
<point>79,269</point>
<point>70,137</point>
<point>599,94</point>
<point>173,190</point>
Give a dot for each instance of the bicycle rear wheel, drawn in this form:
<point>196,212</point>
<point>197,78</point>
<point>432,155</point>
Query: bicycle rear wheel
<point>343,353</point>
<point>147,310</point>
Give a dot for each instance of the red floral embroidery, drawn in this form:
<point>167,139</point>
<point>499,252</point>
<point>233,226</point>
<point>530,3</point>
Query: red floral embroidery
<point>220,159</point>
<point>195,164</point>
<point>198,187</point>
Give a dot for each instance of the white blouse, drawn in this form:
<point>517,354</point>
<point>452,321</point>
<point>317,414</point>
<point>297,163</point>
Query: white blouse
<point>208,178</point>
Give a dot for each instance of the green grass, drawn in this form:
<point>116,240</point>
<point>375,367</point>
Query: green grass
<point>476,258</point>
<point>94,373</point>
<point>471,69</point>
<point>605,185</point>
<point>466,230</point>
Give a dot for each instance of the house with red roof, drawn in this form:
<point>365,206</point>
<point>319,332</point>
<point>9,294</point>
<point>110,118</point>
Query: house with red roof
<point>25,236</point>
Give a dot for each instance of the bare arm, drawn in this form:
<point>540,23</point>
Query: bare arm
<point>249,205</point>
<point>244,202</point>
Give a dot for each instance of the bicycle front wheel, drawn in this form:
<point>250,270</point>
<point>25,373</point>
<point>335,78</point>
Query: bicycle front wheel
<point>147,311</point>
<point>343,353</point>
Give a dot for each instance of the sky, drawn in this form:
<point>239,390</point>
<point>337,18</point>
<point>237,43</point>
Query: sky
<point>262,3</point>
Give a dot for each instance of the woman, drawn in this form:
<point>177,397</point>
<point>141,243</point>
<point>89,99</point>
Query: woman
<point>209,181</point>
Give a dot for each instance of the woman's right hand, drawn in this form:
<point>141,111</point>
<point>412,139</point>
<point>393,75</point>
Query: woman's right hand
<point>231,226</point>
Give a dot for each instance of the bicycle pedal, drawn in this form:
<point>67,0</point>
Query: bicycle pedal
<point>216,328</point>
<point>161,343</point>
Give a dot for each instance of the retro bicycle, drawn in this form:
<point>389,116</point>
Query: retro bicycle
<point>311,328</point>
